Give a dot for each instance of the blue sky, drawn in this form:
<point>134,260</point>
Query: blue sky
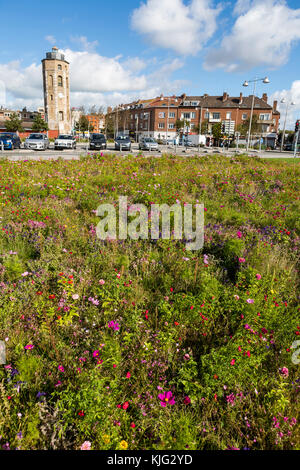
<point>120,51</point>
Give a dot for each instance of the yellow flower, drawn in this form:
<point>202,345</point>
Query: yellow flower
<point>106,438</point>
<point>123,445</point>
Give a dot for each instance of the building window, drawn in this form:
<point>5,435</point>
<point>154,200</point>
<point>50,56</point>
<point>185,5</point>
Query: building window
<point>264,117</point>
<point>51,97</point>
<point>171,115</point>
<point>228,115</point>
<point>186,115</point>
<point>216,115</point>
<point>193,115</point>
<point>161,115</point>
<point>51,80</point>
<point>206,115</point>
<point>59,80</point>
<point>161,125</point>
<point>194,103</point>
<point>59,67</point>
<point>171,126</point>
<point>244,116</point>
<point>61,115</point>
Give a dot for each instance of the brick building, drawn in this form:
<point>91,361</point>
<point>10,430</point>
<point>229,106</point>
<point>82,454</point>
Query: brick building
<point>157,117</point>
<point>97,121</point>
<point>27,118</point>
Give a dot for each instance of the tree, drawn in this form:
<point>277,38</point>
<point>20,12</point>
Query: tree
<point>255,127</point>
<point>109,125</point>
<point>217,131</point>
<point>14,124</point>
<point>39,124</point>
<point>83,125</point>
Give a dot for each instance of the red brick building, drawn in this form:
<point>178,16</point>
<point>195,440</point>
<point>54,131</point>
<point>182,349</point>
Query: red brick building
<point>157,117</point>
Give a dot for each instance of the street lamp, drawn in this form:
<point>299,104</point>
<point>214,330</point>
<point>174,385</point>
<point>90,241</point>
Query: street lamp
<point>286,110</point>
<point>246,83</point>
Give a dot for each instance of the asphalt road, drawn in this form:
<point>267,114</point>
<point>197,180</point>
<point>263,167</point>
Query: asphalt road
<point>82,149</point>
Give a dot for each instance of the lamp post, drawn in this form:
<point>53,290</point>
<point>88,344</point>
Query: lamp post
<point>286,110</point>
<point>246,83</point>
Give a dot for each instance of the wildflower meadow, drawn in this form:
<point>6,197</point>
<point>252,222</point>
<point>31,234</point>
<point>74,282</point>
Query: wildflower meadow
<point>143,344</point>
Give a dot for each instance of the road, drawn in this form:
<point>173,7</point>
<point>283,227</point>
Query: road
<point>51,154</point>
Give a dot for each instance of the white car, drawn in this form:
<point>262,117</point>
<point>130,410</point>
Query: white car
<point>65,141</point>
<point>37,142</point>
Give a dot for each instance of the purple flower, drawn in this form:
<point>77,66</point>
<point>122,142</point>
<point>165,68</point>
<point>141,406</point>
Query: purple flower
<point>166,398</point>
<point>250,301</point>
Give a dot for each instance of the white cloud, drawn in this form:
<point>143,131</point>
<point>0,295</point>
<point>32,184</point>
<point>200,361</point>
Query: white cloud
<point>84,44</point>
<point>94,79</point>
<point>50,39</point>
<point>172,24</point>
<point>262,35</point>
<point>291,95</point>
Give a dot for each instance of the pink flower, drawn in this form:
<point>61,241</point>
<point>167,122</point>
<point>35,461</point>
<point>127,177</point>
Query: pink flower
<point>86,445</point>
<point>187,400</point>
<point>250,301</point>
<point>284,372</point>
<point>101,282</point>
<point>75,296</point>
<point>236,297</point>
<point>29,346</point>
<point>96,353</point>
<point>61,368</point>
<point>239,234</point>
<point>242,260</point>
<point>232,362</point>
<point>258,276</point>
<point>166,398</point>
<point>128,375</point>
<point>25,274</point>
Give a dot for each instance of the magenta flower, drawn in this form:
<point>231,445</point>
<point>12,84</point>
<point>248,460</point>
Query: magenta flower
<point>114,325</point>
<point>239,234</point>
<point>250,301</point>
<point>61,368</point>
<point>96,353</point>
<point>166,398</point>
<point>242,260</point>
<point>186,400</point>
<point>258,276</point>
<point>284,372</point>
<point>29,346</point>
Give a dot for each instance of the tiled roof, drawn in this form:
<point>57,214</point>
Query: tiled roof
<point>231,102</point>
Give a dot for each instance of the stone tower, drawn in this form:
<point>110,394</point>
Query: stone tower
<point>57,92</point>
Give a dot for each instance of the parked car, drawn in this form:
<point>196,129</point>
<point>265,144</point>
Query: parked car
<point>288,146</point>
<point>65,141</point>
<point>97,141</point>
<point>37,142</point>
<point>148,143</point>
<point>10,141</point>
<point>122,142</point>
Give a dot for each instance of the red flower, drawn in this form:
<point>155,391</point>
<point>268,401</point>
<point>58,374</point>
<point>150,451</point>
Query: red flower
<point>51,296</point>
<point>125,405</point>
<point>132,425</point>
<point>128,375</point>
<point>81,413</point>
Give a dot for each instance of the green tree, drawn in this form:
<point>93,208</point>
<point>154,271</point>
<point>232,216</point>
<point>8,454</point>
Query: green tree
<point>83,125</point>
<point>109,125</point>
<point>217,131</point>
<point>255,127</point>
<point>39,124</point>
<point>179,124</point>
<point>14,124</point>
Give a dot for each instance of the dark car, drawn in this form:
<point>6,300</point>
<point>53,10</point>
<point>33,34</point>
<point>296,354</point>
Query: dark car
<point>10,141</point>
<point>288,147</point>
<point>122,142</point>
<point>97,142</point>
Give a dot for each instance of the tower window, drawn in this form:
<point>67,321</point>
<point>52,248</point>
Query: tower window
<point>59,80</point>
<point>51,97</point>
<point>61,115</point>
<point>59,67</point>
<point>51,80</point>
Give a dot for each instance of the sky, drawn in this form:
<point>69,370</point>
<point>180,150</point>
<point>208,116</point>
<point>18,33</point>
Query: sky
<point>120,51</point>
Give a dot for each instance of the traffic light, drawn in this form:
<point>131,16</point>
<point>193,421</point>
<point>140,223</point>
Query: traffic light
<point>223,128</point>
<point>297,125</point>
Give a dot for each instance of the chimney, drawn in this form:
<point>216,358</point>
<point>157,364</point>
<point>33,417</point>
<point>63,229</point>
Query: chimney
<point>183,96</point>
<point>225,96</point>
<point>265,97</point>
<point>275,105</point>
<point>241,98</point>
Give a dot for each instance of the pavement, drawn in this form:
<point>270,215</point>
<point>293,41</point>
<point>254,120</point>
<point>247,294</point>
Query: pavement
<point>82,149</point>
